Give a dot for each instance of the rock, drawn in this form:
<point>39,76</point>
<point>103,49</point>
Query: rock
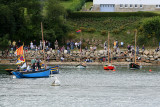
<point>146,52</point>
<point>152,59</point>
<point>48,52</point>
<point>128,59</point>
<point>150,56</point>
<point>87,53</point>
<point>65,51</point>
<point>101,52</point>
<point>53,51</point>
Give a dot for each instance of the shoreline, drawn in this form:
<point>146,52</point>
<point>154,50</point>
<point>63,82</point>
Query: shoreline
<point>89,64</point>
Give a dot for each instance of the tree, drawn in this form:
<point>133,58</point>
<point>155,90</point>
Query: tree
<point>149,30</point>
<point>4,42</point>
<point>54,21</point>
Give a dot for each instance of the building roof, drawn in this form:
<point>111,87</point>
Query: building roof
<point>147,2</point>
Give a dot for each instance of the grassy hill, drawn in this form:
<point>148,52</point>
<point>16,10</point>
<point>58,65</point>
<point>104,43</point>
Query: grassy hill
<point>121,26</point>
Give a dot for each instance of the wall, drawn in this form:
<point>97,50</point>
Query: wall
<point>96,8</point>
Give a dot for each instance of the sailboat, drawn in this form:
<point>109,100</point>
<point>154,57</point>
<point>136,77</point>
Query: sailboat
<point>134,65</point>
<point>109,66</point>
<point>82,64</point>
<point>45,72</point>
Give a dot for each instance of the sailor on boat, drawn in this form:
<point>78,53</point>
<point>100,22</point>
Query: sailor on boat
<point>18,68</point>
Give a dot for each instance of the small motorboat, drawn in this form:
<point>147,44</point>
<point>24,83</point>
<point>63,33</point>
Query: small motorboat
<point>134,66</point>
<point>109,67</point>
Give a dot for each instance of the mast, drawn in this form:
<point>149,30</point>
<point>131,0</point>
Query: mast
<point>81,46</point>
<point>135,45</point>
<point>43,45</point>
<point>108,47</point>
<point>24,54</point>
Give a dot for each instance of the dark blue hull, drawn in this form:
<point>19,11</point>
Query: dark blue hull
<point>33,74</point>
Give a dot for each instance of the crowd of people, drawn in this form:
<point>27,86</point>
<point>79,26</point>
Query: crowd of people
<point>71,45</point>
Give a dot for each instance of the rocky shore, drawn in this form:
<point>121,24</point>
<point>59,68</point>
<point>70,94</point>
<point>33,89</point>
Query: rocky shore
<point>98,57</point>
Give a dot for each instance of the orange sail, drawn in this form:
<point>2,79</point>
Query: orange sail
<point>19,51</point>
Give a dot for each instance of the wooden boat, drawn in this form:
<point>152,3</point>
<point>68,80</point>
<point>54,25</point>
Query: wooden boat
<point>45,72</point>
<point>80,66</point>
<point>9,71</point>
<point>32,74</point>
<point>109,66</point>
<point>55,69</point>
<point>134,65</point>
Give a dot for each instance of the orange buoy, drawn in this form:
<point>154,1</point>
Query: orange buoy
<point>114,70</point>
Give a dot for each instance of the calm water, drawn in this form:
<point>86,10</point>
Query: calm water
<point>90,87</point>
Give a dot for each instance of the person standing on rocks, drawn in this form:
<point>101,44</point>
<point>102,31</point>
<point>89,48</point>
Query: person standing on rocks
<point>56,44</point>
<point>143,48</point>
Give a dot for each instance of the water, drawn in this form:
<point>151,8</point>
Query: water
<point>90,87</point>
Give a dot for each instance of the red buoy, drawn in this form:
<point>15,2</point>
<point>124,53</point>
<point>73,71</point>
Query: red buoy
<point>150,70</point>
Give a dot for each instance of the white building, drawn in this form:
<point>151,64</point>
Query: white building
<point>125,5</point>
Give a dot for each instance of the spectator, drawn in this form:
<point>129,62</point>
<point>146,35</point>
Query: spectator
<point>56,44</point>
<point>34,43</point>
<point>105,45</point>
<point>40,44</point>
<point>31,45</point>
<point>19,43</point>
<point>14,45</point>
<point>121,44</point>
<point>143,48</point>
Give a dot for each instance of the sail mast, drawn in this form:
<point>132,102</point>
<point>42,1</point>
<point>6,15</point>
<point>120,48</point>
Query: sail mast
<point>108,47</point>
<point>43,44</point>
<point>135,45</point>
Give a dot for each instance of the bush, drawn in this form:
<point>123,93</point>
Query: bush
<point>91,30</point>
<point>83,29</point>
<point>150,28</point>
<point>103,32</point>
<point>110,14</point>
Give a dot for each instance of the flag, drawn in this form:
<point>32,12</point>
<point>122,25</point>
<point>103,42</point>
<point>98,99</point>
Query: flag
<point>78,31</point>
<point>20,59</point>
<point>23,66</point>
<point>19,51</point>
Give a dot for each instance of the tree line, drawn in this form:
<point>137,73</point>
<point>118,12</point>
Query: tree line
<point>21,20</point>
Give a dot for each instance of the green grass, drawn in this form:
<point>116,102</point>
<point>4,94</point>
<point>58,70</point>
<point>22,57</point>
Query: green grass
<point>89,4</point>
<point>66,4</point>
<point>121,28</point>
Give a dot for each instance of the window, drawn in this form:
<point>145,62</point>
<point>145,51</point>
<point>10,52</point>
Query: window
<point>121,5</point>
<point>141,6</point>
<point>130,5</point>
<point>157,6</point>
<point>126,5</point>
<point>136,6</point>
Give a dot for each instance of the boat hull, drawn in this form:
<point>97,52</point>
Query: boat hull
<point>134,66</point>
<point>55,70</point>
<point>80,66</point>
<point>109,67</point>
<point>33,74</point>
<point>9,71</point>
